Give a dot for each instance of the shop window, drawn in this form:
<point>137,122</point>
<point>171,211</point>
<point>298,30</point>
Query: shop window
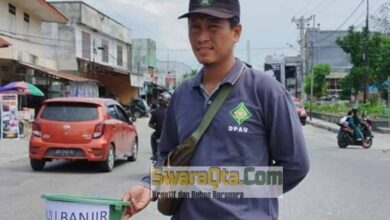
<point>105,51</point>
<point>26,24</point>
<point>12,18</point>
<point>119,56</point>
<point>86,45</point>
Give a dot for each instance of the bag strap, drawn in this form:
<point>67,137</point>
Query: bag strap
<point>211,112</point>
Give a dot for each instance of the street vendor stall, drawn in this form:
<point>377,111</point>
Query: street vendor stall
<point>11,120</point>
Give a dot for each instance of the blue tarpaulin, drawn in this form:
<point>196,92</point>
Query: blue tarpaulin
<point>374,88</point>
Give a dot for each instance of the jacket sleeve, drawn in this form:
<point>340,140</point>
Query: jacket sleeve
<point>286,142</point>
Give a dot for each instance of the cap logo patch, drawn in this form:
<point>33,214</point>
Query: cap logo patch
<point>205,2</point>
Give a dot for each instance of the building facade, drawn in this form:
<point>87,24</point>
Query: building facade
<point>288,72</point>
<point>169,73</point>
<point>321,48</point>
<point>144,64</point>
<point>23,51</point>
<point>144,55</point>
<point>95,46</point>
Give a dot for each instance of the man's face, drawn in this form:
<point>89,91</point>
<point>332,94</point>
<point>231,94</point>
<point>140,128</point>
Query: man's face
<point>212,39</point>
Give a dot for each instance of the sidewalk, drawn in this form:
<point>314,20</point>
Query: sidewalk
<point>12,150</point>
<point>380,141</point>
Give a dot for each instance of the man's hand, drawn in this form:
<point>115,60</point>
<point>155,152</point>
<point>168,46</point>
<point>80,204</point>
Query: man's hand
<point>139,196</point>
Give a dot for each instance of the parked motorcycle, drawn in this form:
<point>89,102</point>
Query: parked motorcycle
<point>346,136</point>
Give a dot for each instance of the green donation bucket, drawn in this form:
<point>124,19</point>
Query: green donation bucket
<point>68,207</point>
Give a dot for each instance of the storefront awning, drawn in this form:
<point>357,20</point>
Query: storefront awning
<point>101,68</point>
<point>4,43</point>
<point>58,74</point>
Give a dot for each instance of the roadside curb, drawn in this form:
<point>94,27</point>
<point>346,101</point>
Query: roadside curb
<point>322,126</point>
<point>383,130</point>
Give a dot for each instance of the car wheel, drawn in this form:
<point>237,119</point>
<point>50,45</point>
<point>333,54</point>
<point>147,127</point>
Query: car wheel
<point>133,157</point>
<point>37,165</point>
<point>108,164</point>
<point>137,114</point>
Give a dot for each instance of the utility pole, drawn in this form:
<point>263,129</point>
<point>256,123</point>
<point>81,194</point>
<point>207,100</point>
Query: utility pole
<point>301,25</point>
<point>167,62</point>
<point>312,69</point>
<point>388,98</point>
<point>366,58</point>
<point>248,50</point>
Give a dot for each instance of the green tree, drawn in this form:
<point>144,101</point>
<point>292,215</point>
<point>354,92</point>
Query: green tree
<point>354,44</point>
<point>319,82</point>
<point>188,75</point>
<point>383,67</point>
<point>378,52</point>
<point>381,20</point>
<point>352,81</point>
<point>381,23</point>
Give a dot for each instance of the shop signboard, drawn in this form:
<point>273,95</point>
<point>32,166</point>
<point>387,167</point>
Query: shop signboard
<point>9,116</point>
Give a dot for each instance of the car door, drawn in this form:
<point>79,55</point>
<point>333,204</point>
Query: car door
<point>116,128</point>
<point>128,134</point>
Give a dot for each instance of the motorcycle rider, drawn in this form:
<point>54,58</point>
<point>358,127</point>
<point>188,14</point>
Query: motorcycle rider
<point>354,122</point>
<point>344,120</point>
<point>156,122</point>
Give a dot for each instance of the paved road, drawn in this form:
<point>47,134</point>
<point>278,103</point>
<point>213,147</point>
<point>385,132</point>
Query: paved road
<point>343,184</point>
<point>21,188</point>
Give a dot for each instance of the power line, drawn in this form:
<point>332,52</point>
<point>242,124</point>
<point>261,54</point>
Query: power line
<point>10,35</point>
<point>318,6</point>
<point>342,24</point>
<point>304,7</point>
<point>359,22</point>
<point>327,7</point>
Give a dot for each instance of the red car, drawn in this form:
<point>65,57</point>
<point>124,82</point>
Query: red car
<point>89,129</point>
<point>300,110</point>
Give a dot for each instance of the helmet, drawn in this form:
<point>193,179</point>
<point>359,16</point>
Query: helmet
<point>355,109</point>
<point>164,98</point>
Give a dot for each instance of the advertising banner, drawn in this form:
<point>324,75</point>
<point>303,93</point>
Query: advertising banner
<point>9,116</point>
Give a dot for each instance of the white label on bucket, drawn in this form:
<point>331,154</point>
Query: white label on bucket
<point>76,211</point>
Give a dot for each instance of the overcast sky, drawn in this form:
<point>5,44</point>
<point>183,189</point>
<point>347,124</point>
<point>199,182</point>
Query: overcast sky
<point>266,24</point>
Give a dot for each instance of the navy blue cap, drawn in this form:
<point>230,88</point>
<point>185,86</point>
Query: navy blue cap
<point>217,8</point>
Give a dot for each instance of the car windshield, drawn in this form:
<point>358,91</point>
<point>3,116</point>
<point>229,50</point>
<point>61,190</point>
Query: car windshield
<point>70,112</point>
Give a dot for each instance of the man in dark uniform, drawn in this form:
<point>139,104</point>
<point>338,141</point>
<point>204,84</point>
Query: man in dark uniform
<point>256,126</point>
<point>156,122</point>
